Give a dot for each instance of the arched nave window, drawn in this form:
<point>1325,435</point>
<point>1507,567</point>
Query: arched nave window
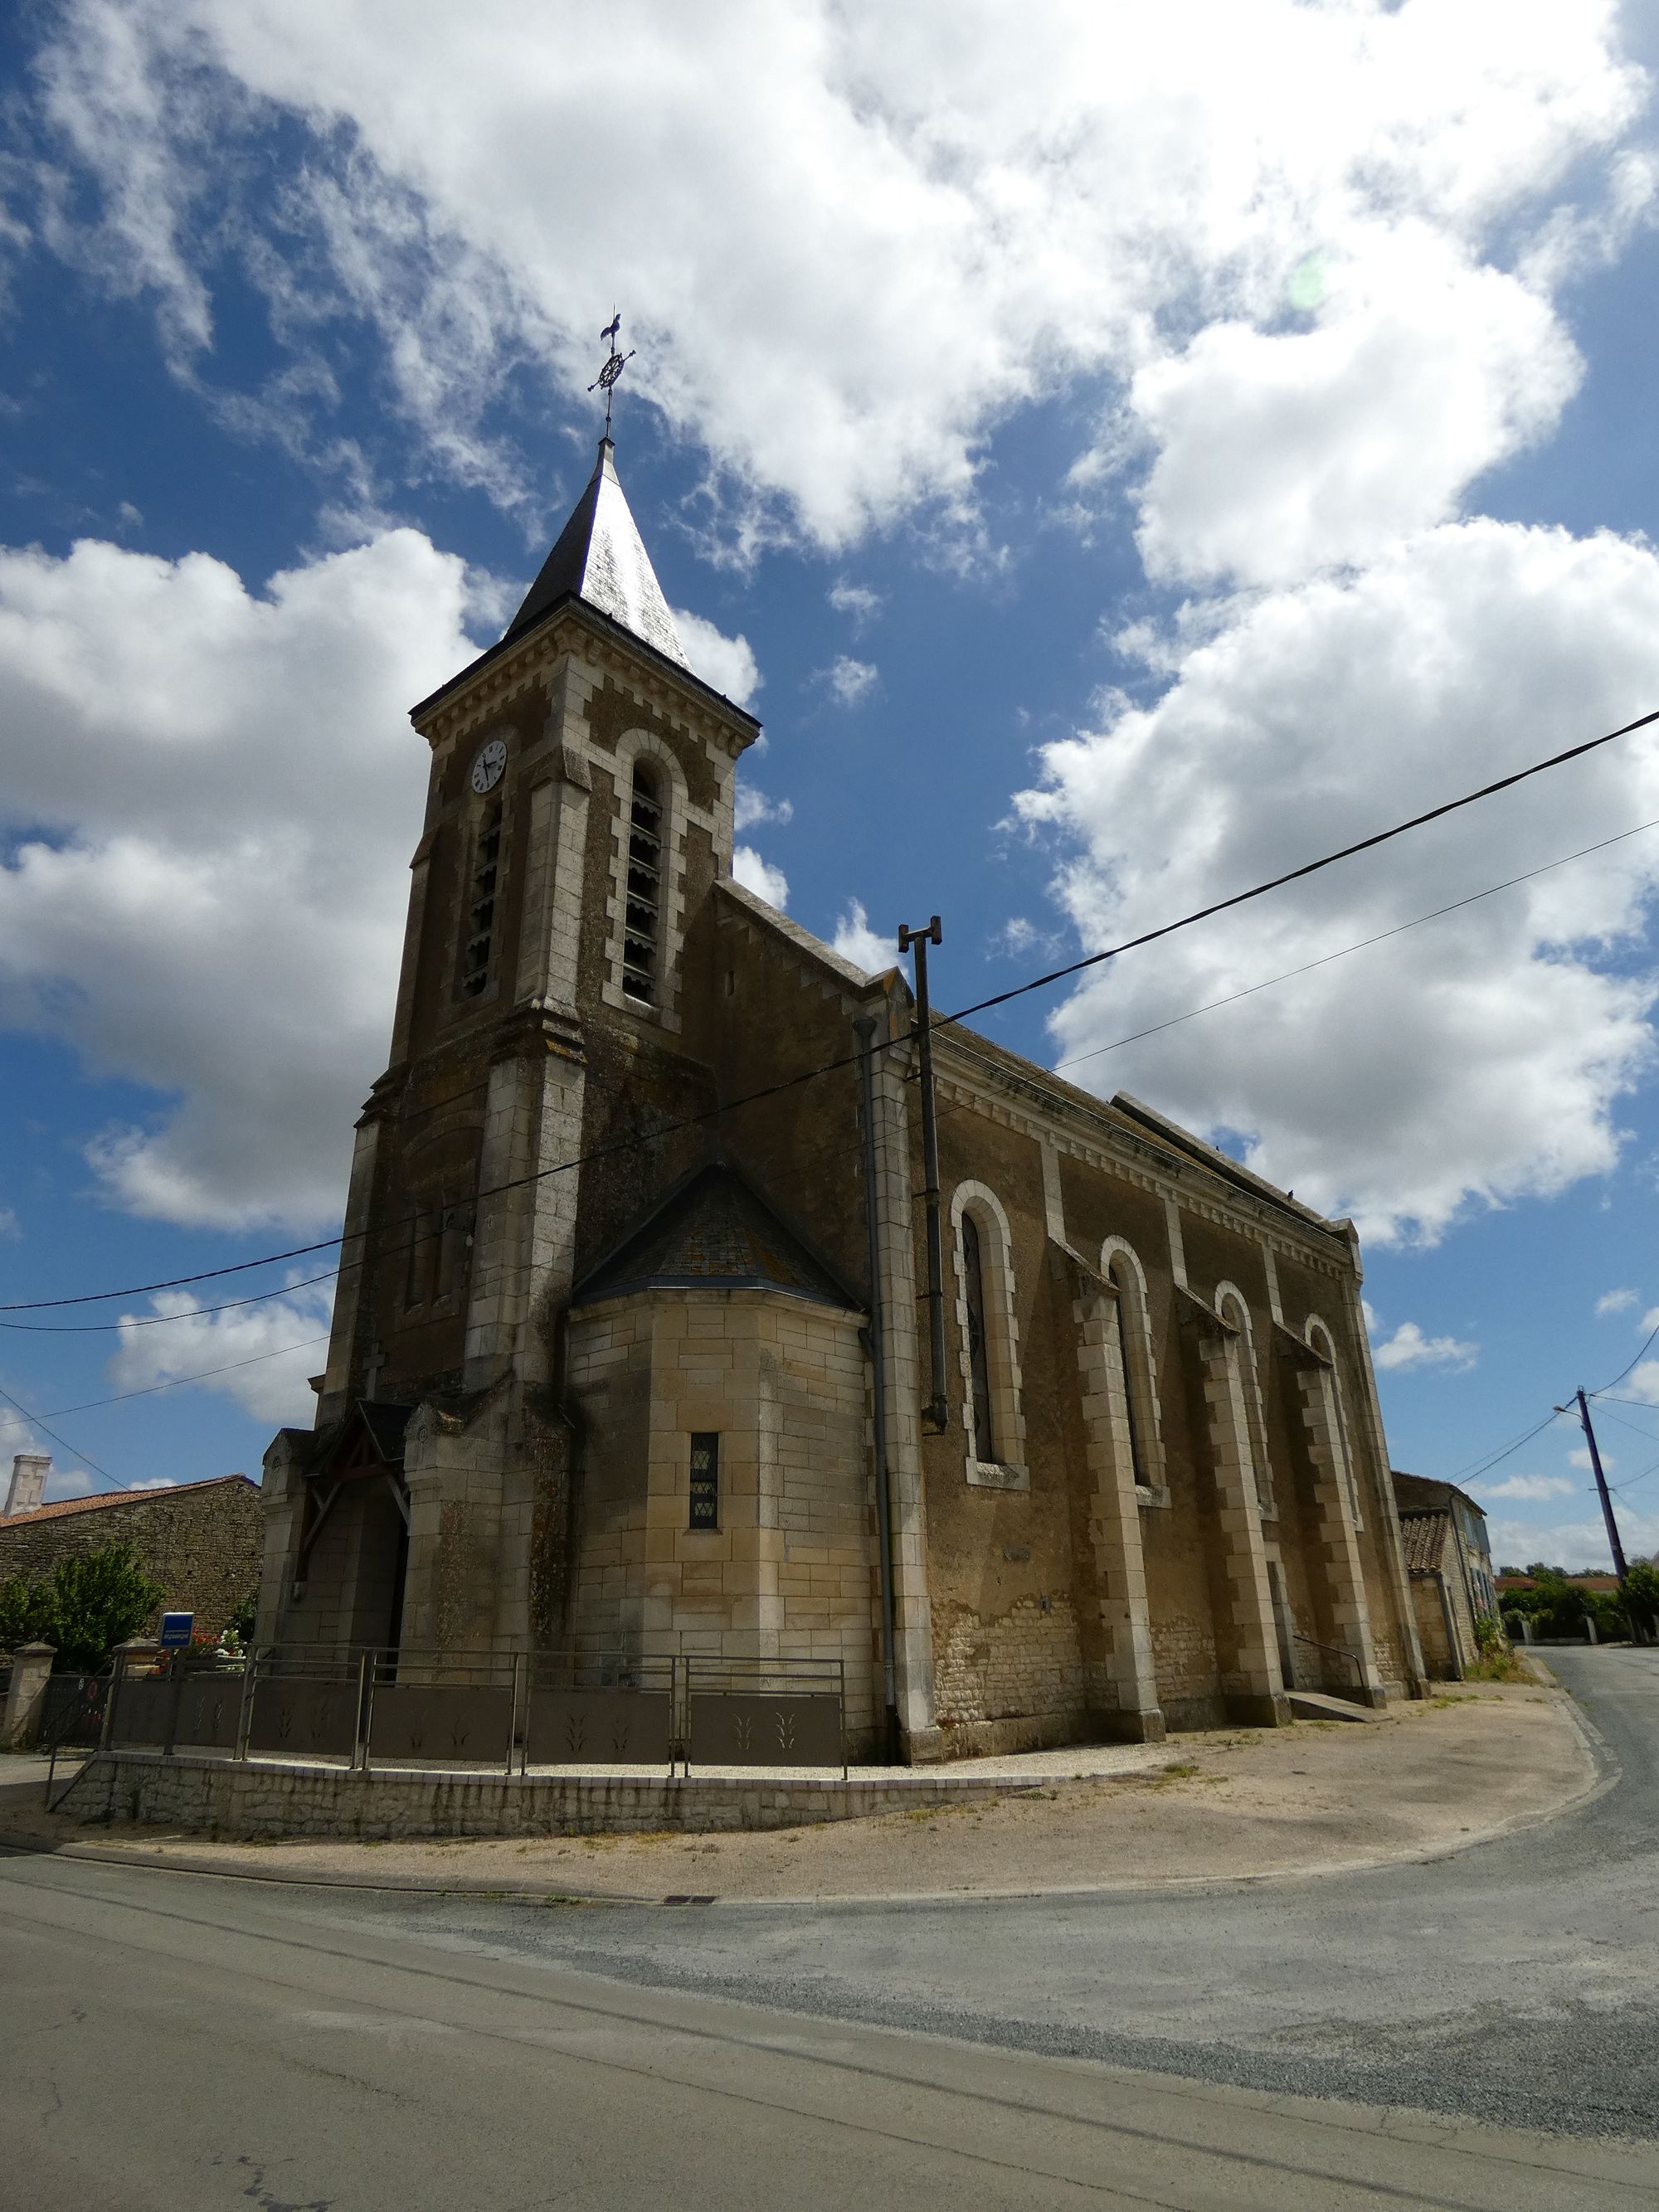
<point>1231,1305</point>
<point>1121,1265</point>
<point>1319,1338</point>
<point>992,1413</point>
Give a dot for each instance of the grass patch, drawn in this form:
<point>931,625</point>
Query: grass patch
<point>1497,1667</point>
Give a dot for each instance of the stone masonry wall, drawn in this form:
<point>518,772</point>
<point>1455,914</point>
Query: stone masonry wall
<point>258,1798</point>
<point>201,1542</point>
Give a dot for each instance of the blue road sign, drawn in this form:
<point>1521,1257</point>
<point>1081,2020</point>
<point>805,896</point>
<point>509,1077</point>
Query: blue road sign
<point>176,1629</point>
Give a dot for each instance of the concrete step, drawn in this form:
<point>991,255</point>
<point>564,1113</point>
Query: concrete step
<point>1315,1706</point>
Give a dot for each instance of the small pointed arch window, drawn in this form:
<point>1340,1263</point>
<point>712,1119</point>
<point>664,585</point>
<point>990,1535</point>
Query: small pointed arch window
<point>1121,1265</point>
<point>1321,1341</point>
<point>1230,1304</point>
<point>993,1415</point>
<point>642,961</point>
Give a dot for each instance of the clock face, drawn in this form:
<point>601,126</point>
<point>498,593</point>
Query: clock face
<point>490,765</point>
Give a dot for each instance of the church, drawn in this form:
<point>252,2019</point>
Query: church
<point>656,1337</point>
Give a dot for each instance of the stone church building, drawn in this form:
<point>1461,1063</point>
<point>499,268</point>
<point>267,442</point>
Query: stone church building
<point>633,1348</point>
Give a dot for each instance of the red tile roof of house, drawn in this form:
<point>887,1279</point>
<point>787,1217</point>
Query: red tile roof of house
<point>66,1506</point>
<point>1423,1537</point>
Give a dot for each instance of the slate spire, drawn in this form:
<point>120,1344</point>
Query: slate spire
<point>601,558</point>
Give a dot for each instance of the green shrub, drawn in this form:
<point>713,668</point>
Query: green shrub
<point>88,1603</point>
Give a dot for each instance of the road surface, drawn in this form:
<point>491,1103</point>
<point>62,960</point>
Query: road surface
<point>181,2041</point>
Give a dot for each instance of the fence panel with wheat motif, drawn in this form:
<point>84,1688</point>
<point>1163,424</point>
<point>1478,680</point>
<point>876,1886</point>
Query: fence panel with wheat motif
<point>765,1712</point>
<point>600,1728</point>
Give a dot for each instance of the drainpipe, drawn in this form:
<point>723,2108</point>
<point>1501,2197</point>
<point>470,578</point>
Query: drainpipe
<point>865,1030</point>
<point>935,1413</point>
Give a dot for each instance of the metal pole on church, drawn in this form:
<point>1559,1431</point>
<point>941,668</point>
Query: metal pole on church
<point>933,1413</point>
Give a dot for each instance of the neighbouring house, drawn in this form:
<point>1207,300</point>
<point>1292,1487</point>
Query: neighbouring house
<point>1449,1560</point>
<point>643,1350</point>
<point>200,1541</point>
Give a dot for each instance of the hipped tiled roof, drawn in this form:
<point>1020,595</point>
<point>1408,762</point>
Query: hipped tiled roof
<point>1424,1537</point>
<point>157,1494</point>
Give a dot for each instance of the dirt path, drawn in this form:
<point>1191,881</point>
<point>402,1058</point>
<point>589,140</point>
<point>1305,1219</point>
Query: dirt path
<point>1217,1805</point>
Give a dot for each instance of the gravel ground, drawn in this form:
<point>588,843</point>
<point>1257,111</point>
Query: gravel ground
<point>1318,1795</point>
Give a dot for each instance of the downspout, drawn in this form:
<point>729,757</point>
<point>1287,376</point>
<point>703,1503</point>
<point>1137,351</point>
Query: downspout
<point>865,1030</point>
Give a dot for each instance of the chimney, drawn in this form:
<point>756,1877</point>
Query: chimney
<point>29,1471</point>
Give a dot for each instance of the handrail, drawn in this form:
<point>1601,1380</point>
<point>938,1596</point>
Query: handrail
<point>1331,1651</point>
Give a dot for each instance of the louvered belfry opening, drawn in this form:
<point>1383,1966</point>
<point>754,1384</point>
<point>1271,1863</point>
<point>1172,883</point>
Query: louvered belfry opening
<point>643,923</point>
<point>481,916</point>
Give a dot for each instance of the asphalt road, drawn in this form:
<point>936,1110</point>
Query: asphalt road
<point>175,2040</point>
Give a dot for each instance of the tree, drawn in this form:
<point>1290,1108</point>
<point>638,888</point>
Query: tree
<point>1642,1590</point>
<point>88,1603</point>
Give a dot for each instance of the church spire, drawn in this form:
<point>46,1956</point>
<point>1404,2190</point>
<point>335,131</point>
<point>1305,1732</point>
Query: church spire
<point>600,556</point>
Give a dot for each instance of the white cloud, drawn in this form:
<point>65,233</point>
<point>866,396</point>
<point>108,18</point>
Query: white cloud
<point>63,1482</point>
<point>760,877</point>
<point>1475,1060</point>
<point>220,792</point>
<point>1579,1545</point>
<point>1643,1382</point>
<point>1581,1458</point>
<point>865,947</point>
<point>850,681</point>
<point>1409,1347</point>
<point>10,1227</point>
<point>1310,249</point>
<point>752,806</point>
<point>857,600</point>
<point>1614,1301</point>
<point>727,663</point>
<point>1019,937</point>
<point>1535,1488</point>
<point>272,1385</point>
<point>1649,1322</point>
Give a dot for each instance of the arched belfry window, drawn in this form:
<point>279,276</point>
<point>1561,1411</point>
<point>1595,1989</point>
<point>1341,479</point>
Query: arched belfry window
<point>1319,1338</point>
<point>642,918</point>
<point>480,932</point>
<point>1230,1306</point>
<point>992,1414</point>
<point>1121,1265</point>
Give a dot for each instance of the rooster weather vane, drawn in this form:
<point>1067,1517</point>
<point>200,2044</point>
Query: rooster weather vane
<point>615,364</point>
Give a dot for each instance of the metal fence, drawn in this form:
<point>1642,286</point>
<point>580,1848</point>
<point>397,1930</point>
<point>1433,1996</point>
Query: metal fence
<point>507,1711</point>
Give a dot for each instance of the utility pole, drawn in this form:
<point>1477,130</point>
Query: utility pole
<point>1613,1544</point>
<point>933,1413</point>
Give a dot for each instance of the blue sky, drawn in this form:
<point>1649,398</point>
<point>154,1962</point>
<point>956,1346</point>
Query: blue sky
<point>1117,466</point>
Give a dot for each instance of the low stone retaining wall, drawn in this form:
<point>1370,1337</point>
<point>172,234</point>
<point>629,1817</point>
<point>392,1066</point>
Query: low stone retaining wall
<point>255,1799</point>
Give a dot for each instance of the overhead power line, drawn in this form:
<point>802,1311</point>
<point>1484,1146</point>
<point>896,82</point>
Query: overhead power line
<point>173,1382</point>
<point>978,1007</point>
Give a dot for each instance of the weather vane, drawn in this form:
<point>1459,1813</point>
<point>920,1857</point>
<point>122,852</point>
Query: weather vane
<point>605,381</point>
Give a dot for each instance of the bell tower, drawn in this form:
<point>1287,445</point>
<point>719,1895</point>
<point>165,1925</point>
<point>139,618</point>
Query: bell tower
<point>579,811</point>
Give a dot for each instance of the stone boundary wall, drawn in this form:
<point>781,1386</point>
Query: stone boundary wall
<point>260,1799</point>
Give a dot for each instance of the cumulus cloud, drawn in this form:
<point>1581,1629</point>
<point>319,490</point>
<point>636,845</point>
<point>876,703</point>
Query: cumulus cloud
<point>1409,1347</point>
<point>1537,1489</point>
<point>760,877</point>
<point>1474,1061</point>
<point>1614,1301</point>
<point>865,947</point>
<point>727,663</point>
<point>857,600</point>
<point>752,806</point>
<point>259,1355</point>
<point>849,682</point>
<point>1581,1458</point>
<point>863,240</point>
<point>215,792</point>
<point>1580,1546</point>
